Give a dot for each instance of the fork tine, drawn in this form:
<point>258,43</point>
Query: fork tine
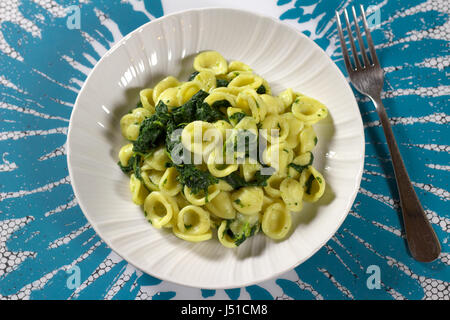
<point>352,42</point>
<point>373,53</point>
<point>360,40</point>
<point>348,64</point>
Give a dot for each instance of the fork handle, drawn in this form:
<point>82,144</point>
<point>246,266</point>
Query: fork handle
<point>422,241</point>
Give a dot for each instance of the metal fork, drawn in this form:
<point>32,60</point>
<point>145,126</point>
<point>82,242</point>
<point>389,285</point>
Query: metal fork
<point>368,77</point>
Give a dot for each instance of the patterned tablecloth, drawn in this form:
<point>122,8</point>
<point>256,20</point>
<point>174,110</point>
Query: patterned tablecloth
<point>48,47</point>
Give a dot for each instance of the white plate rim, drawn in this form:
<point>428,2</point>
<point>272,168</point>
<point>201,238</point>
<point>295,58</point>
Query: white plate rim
<point>261,16</point>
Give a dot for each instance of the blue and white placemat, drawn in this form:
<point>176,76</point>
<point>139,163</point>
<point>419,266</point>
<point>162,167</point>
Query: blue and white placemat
<point>48,250</point>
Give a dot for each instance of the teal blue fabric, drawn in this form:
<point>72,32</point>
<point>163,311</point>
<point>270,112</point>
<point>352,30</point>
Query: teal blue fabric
<point>44,234</point>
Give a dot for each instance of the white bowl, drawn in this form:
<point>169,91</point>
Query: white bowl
<point>166,46</point>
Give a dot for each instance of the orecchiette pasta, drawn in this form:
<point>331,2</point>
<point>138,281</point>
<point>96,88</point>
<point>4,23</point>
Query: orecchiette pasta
<point>276,221</point>
<point>314,184</point>
<point>299,163</point>
<point>277,105</point>
<point>224,238</point>
<point>248,170</point>
<point>275,127</point>
<point>273,186</point>
<point>287,97</point>
<point>186,91</point>
<point>308,139</point>
<point>224,186</point>
<point>246,80</point>
<point>247,124</point>
<point>279,157</point>
<point>192,237</point>
<point>267,201</point>
<point>201,198</point>
<point>219,151</point>
<point>238,66</point>
<point>223,126</point>
<point>170,97</point>
<point>193,220</point>
<point>206,79</point>
<point>218,168</point>
<point>155,176</point>
<point>148,178</point>
<point>233,74</point>
<point>250,102</point>
<point>216,96</point>
<point>163,85</point>
<point>233,91</point>
<point>295,127</point>
<point>125,154</point>
<point>156,160</point>
<point>200,137</point>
